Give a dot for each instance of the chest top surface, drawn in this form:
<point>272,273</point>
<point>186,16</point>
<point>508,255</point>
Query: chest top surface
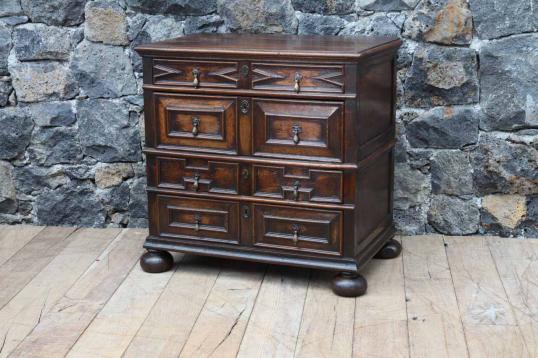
<point>328,47</point>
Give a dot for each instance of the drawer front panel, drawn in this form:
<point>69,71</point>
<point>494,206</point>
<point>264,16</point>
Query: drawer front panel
<point>308,130</point>
<point>197,175</point>
<point>198,123</point>
<point>315,231</point>
<point>298,77</point>
<point>196,74</point>
<point>298,184</point>
<point>197,219</point>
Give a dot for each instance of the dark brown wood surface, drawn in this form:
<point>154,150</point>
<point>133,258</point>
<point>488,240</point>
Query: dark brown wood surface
<point>272,148</point>
<point>269,45</point>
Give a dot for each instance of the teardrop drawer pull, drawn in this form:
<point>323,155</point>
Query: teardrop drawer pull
<point>196,183</point>
<point>196,79</point>
<point>195,125</point>
<point>298,78</point>
<point>296,129</point>
<point>295,230</point>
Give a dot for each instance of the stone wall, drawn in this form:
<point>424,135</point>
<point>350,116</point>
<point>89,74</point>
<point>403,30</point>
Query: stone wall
<point>71,110</point>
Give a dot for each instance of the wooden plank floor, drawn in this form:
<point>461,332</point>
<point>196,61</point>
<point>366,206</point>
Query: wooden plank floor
<point>81,293</point>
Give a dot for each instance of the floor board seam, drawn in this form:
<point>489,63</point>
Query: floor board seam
<point>302,312</point>
<point>69,288</point>
<point>37,273</point>
<point>463,327</point>
<point>201,309</point>
<point>152,306</point>
<point>507,297</point>
<point>405,297</point>
<point>81,275</point>
<point>104,304</point>
<point>23,246</point>
<point>251,311</point>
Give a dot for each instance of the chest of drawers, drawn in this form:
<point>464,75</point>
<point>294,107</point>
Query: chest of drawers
<point>271,148</point>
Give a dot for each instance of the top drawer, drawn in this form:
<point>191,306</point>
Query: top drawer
<point>298,78</point>
<point>278,77</point>
<point>196,74</point>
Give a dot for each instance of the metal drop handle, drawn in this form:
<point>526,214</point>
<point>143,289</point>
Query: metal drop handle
<point>295,230</point>
<point>197,220</point>
<point>195,125</point>
<point>296,186</point>
<point>298,78</point>
<point>196,184</point>
<point>195,75</point>
<point>296,129</point>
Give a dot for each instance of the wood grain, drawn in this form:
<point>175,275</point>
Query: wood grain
<point>59,329</point>
<point>39,296</point>
<point>380,315</point>
<point>327,322</point>
<point>435,328</point>
<point>13,238</point>
<point>487,315</point>
<point>476,297</point>
<point>221,324</point>
<point>517,264</point>
<point>114,327</point>
<point>273,327</point>
<point>165,330</point>
<point>15,273</point>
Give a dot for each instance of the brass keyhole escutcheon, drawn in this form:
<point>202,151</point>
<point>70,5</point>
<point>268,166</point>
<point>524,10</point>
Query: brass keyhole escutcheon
<point>197,220</point>
<point>296,186</point>
<point>196,79</point>
<point>195,126</point>
<point>296,130</point>
<point>295,231</point>
<point>244,70</point>
<point>245,174</point>
<point>196,183</point>
<point>297,86</point>
<point>243,106</point>
<point>246,211</point>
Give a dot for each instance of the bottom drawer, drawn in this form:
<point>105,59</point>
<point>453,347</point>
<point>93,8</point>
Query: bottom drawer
<point>304,230</point>
<point>197,219</point>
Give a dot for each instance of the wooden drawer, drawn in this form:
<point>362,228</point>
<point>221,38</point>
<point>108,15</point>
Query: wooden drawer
<point>197,219</point>
<point>195,74</point>
<point>298,77</point>
<point>298,184</point>
<point>311,130</point>
<point>305,230</point>
<point>192,174</point>
<point>197,123</point>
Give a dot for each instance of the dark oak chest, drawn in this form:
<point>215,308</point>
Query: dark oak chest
<point>271,148</point>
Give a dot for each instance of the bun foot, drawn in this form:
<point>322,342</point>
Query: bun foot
<point>156,261</point>
<point>391,250</point>
<point>349,285</point>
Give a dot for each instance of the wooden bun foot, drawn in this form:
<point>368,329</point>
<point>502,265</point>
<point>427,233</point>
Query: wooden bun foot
<point>349,285</point>
<point>156,261</point>
<point>391,250</point>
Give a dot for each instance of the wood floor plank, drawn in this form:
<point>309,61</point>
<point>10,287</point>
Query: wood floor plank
<point>487,341</point>
<point>220,327</point>
<point>327,323</point>
<point>39,296</point>
<point>116,324</point>
<point>60,328</point>
<point>27,262</point>
<point>484,306</point>
<point>14,237</point>
<point>380,315</point>
<point>166,328</point>
<point>274,324</point>
<point>517,264</point>
<point>435,328</point>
